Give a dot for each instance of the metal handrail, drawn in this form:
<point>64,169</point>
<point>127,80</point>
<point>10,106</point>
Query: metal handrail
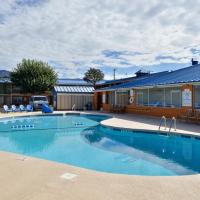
<point>172,120</point>
<point>163,118</point>
<point>74,107</point>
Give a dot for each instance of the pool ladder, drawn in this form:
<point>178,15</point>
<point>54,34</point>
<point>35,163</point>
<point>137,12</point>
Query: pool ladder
<point>172,123</point>
<point>163,119</point>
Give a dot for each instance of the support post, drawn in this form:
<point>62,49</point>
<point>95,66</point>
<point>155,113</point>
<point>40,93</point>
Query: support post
<point>115,97</point>
<point>164,99</point>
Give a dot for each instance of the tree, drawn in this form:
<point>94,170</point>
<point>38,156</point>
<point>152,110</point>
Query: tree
<point>34,76</point>
<point>93,76</point>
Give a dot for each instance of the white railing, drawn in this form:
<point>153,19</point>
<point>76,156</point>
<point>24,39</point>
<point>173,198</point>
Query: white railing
<point>173,122</point>
<point>163,119</point>
<point>74,107</point>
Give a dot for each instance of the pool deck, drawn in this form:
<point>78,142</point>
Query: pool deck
<point>27,178</point>
<point>137,122</point>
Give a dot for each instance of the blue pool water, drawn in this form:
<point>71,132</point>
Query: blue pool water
<point>79,140</point>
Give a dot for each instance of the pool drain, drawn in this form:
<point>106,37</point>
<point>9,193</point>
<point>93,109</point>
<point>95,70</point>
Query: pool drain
<point>68,176</point>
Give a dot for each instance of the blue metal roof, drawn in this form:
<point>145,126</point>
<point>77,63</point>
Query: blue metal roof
<point>72,82</point>
<point>4,74</point>
<point>59,82</point>
<point>5,80</point>
<point>104,82</point>
<point>184,75</point>
<point>74,89</point>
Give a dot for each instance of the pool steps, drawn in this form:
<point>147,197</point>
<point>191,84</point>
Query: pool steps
<point>28,126</point>
<point>78,124</point>
<point>23,126</point>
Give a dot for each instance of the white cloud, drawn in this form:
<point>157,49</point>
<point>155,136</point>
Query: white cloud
<point>74,33</point>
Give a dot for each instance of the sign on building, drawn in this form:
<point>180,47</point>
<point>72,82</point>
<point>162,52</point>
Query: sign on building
<point>187,98</point>
<point>131,92</point>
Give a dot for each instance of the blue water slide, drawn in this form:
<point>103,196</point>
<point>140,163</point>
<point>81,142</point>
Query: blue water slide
<point>46,109</point>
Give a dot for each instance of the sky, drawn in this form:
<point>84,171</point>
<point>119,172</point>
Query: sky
<point>74,35</point>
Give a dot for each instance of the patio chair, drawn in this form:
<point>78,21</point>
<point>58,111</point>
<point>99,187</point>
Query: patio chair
<point>122,109</point>
<point>22,108</point>
<point>116,108</point>
<point>14,108</point>
<point>197,115</point>
<point>197,105</point>
<point>155,104</point>
<point>29,108</point>
<point>187,115</point>
<point>6,109</point>
<point>192,118</point>
<point>112,108</point>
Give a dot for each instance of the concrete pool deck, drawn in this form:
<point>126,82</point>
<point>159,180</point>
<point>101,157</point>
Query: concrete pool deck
<point>138,122</point>
<point>35,179</point>
<point>27,178</point>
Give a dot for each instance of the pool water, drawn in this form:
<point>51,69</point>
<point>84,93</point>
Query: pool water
<point>81,141</point>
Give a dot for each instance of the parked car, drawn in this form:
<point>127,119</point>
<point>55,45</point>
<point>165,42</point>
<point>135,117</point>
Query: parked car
<point>37,101</point>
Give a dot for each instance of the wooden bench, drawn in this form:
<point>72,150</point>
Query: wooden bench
<point>118,109</point>
<point>191,116</point>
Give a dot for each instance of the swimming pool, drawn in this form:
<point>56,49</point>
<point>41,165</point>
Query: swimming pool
<point>81,141</point>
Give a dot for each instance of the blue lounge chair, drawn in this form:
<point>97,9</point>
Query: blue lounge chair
<point>22,108</point>
<point>6,109</point>
<point>46,109</point>
<point>29,108</point>
<point>14,108</point>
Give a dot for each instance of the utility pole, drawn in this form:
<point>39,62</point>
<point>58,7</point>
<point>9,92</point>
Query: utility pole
<point>114,70</point>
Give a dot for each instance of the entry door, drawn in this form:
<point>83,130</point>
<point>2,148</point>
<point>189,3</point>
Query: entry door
<point>99,100</point>
<point>140,98</point>
<point>176,98</point>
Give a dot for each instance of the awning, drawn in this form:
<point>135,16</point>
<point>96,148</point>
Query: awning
<point>74,89</point>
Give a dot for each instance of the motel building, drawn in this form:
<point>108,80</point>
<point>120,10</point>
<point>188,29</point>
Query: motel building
<point>168,93</point>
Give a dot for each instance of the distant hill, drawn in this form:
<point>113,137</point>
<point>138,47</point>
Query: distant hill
<point>4,74</point>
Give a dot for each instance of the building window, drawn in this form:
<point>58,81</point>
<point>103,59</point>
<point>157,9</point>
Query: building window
<point>173,97</point>
<point>17,100</point>
<point>159,97</point>
<point>156,97</point>
<point>111,98</point>
<point>16,89</point>
<point>197,96</point>
<point>2,89</point>
<point>1,100</point>
<point>142,97</point>
<point>7,89</point>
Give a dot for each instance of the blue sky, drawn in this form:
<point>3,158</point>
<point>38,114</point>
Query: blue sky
<point>73,35</point>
